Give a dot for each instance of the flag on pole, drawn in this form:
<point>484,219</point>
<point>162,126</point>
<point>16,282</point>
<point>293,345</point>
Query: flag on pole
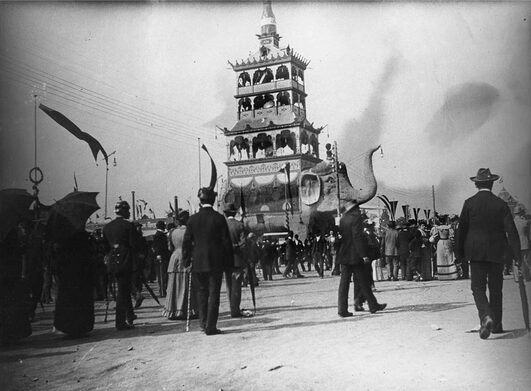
<point>94,144</point>
<point>171,207</point>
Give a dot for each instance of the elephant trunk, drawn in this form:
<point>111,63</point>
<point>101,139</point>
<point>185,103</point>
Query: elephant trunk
<point>367,189</point>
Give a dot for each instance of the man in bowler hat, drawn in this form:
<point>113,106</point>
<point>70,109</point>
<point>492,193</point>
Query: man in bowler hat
<point>486,228</point>
<point>120,237</point>
<point>207,247</point>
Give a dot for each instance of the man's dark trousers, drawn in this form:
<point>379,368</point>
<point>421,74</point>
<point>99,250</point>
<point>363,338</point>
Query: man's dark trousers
<point>234,281</point>
<point>483,274</point>
<point>208,290</point>
<point>124,307</point>
<point>360,279</point>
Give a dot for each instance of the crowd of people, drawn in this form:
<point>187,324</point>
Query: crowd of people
<point>188,260</point>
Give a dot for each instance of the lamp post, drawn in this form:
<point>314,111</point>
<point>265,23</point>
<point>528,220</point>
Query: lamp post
<point>107,178</point>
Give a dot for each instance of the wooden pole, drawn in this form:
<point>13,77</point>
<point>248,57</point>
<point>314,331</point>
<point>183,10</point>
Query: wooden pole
<point>433,198</point>
<point>134,205</point>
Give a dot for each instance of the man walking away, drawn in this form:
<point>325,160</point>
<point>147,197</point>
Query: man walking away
<point>486,227</point>
<point>352,256</point>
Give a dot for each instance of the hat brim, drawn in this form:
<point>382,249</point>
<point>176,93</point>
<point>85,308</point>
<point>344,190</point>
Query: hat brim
<point>492,178</point>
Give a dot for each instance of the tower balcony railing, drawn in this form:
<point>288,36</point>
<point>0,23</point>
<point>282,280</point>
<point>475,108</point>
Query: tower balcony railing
<point>266,87</point>
<point>271,111</point>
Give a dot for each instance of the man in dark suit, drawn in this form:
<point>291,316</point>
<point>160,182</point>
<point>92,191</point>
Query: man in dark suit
<point>351,257</point>
<point>486,227</point>
<point>162,254</point>
<point>120,238</point>
<point>234,277</point>
<point>208,248</point>
<point>291,258</point>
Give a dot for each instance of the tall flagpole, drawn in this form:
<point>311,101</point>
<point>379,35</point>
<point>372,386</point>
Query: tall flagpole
<point>336,163</point>
<point>35,126</point>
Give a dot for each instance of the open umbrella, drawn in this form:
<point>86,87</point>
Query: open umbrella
<point>14,207</point>
<point>70,214</point>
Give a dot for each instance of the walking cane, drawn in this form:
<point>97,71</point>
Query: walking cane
<point>188,309</point>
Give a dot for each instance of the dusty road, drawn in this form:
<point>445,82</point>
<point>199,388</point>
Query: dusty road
<point>295,342</point>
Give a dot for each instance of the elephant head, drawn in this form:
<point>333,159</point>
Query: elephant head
<point>319,189</point>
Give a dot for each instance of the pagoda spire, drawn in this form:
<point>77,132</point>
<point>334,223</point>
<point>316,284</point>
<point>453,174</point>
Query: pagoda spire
<point>268,37</point>
<point>268,23</point>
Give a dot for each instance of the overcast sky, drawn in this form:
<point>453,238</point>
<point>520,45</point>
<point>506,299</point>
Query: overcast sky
<point>444,87</point>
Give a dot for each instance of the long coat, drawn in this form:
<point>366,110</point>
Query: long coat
<point>207,244</point>
<point>353,246</point>
<point>237,238</point>
<point>485,225</point>
<point>121,231</point>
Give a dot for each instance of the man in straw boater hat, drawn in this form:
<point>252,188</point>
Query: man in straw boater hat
<point>486,228</point>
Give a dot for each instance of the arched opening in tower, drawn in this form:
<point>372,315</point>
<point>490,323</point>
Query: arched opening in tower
<point>285,143</point>
<point>262,76</point>
<point>283,98</point>
<point>262,146</point>
<point>282,73</point>
<point>244,79</point>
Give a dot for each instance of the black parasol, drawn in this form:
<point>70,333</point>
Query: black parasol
<point>70,214</point>
<point>14,207</point>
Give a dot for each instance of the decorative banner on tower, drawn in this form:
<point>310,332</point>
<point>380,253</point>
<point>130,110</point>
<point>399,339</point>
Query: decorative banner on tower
<point>94,144</point>
<point>285,169</point>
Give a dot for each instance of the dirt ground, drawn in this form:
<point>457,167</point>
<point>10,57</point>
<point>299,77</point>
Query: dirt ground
<point>296,341</point>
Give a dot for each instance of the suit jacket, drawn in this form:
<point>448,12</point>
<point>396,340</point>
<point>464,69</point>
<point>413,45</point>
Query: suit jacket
<point>237,238</point>
<point>207,244</point>
<point>353,242</point>
<point>486,227</point>
<point>121,231</point>
<point>390,242</point>
<point>160,246</point>
<point>404,236</point>
<point>415,242</point>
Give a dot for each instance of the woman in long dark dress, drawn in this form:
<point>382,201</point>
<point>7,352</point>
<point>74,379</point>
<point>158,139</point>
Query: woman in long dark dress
<point>15,300</point>
<point>178,278</point>
<point>74,308</point>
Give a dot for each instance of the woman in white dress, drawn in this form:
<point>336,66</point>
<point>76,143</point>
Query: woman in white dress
<point>446,268</point>
<point>178,278</point>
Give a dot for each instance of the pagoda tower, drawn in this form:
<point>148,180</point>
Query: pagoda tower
<point>271,131</point>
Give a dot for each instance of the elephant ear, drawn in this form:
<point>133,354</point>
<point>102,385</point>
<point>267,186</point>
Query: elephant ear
<point>310,188</point>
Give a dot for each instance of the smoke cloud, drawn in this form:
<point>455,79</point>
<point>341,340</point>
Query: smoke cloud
<point>465,109</point>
